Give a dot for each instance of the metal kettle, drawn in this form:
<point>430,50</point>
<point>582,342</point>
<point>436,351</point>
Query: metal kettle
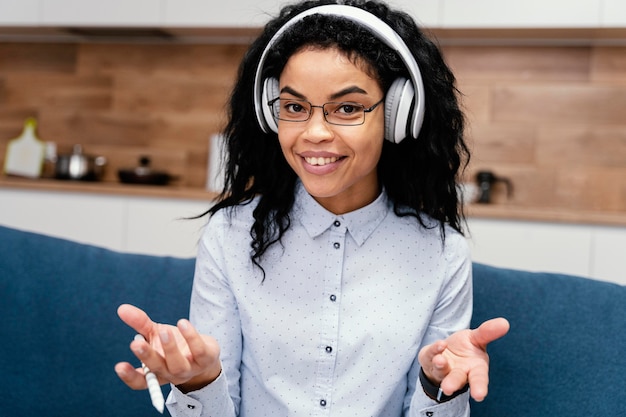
<point>486,180</point>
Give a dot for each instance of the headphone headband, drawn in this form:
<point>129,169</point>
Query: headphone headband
<point>378,28</point>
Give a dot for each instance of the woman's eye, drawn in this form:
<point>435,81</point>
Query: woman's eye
<point>294,107</point>
<point>347,108</point>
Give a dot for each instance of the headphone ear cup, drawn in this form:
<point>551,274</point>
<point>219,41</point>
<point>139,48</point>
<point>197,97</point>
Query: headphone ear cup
<point>398,106</point>
<point>270,92</point>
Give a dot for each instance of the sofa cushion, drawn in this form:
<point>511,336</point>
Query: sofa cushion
<point>565,352</point>
<point>60,333</point>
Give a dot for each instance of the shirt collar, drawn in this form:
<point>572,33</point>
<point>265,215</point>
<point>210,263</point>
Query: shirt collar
<point>360,223</point>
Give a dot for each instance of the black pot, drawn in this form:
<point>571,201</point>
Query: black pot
<point>144,175</point>
<point>78,166</point>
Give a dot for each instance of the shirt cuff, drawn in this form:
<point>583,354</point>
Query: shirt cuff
<point>424,406</point>
<point>215,396</point>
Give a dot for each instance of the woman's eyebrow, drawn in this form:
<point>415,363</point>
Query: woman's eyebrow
<point>334,96</point>
<point>291,91</point>
<point>348,90</point>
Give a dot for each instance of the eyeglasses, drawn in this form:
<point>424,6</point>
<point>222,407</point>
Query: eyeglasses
<point>344,113</point>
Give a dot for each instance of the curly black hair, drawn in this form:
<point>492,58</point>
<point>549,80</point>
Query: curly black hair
<point>419,175</point>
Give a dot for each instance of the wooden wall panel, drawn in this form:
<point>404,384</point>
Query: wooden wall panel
<point>552,119</point>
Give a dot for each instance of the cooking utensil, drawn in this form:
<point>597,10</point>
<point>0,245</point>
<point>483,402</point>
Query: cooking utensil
<point>79,166</point>
<point>145,175</point>
<point>486,180</point>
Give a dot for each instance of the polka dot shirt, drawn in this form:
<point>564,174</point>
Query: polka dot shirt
<point>336,326</point>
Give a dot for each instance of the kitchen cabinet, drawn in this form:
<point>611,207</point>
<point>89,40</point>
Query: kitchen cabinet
<point>19,13</point>
<point>586,250</point>
<point>426,12</point>
<point>521,14</point>
<point>613,13</point>
<point>255,13</point>
<point>208,13</point>
<point>144,225</point>
<point>122,13</point>
<point>162,226</point>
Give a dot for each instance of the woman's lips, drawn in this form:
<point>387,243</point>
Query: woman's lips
<point>321,164</point>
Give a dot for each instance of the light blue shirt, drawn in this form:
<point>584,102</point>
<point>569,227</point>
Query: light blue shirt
<point>335,328</point>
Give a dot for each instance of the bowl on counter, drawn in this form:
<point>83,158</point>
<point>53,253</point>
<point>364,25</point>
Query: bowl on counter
<point>144,174</point>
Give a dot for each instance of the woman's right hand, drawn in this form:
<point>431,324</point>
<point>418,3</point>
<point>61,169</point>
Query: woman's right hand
<point>175,354</point>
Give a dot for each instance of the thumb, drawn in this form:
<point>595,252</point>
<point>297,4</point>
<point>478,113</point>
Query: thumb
<point>489,331</point>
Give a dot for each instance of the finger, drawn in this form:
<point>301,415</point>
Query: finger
<point>132,377</point>
<point>198,351</point>
<point>479,382</point>
<point>429,352</point>
<point>433,362</point>
<point>454,381</point>
<point>137,319</point>
<point>175,361</point>
<point>489,331</point>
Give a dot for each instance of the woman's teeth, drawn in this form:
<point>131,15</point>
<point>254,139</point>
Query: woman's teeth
<point>320,161</point>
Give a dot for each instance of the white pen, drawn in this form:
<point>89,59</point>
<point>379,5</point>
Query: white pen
<point>156,395</point>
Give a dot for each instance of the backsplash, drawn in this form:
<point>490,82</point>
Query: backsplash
<point>552,119</point>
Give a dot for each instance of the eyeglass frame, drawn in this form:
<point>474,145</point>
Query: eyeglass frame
<point>324,112</point>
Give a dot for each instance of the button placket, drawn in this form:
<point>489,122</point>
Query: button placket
<point>329,319</point>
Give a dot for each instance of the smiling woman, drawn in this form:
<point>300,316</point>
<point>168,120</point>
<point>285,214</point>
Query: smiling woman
<point>344,144</point>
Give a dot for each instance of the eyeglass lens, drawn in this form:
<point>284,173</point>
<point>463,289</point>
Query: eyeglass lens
<point>340,113</point>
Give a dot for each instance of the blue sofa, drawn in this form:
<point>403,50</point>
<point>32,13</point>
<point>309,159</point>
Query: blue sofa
<point>60,336</point>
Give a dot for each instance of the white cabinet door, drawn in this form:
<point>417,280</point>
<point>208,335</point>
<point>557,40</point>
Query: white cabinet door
<point>216,13</point>
<point>533,246</point>
<point>608,252</point>
<point>521,14</point>
<point>614,13</point>
<point>19,12</point>
<point>427,13</point>
<point>120,13</point>
<point>255,13</point>
<point>162,226</point>
<point>85,218</point>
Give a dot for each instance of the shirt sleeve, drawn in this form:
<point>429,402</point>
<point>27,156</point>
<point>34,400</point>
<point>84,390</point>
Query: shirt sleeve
<point>193,403</point>
<point>213,311</point>
<point>453,313</point>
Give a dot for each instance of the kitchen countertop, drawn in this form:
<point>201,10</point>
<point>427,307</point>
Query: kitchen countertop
<point>485,211</point>
<point>110,188</point>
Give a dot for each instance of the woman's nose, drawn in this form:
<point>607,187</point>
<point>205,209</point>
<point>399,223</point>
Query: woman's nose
<point>317,128</point>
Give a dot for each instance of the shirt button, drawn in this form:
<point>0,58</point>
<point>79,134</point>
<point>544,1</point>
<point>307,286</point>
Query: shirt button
<point>329,349</point>
<point>333,297</point>
<point>336,245</point>
<point>323,403</point>
<point>337,223</point>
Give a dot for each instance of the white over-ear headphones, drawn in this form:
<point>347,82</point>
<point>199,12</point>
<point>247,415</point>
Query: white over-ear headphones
<point>405,100</point>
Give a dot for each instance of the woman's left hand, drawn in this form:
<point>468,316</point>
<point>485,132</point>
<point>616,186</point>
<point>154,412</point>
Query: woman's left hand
<point>462,358</point>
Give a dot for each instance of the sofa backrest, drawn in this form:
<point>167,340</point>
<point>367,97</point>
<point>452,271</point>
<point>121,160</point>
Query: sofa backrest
<point>61,337</point>
<point>565,354</point>
<point>60,333</point>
